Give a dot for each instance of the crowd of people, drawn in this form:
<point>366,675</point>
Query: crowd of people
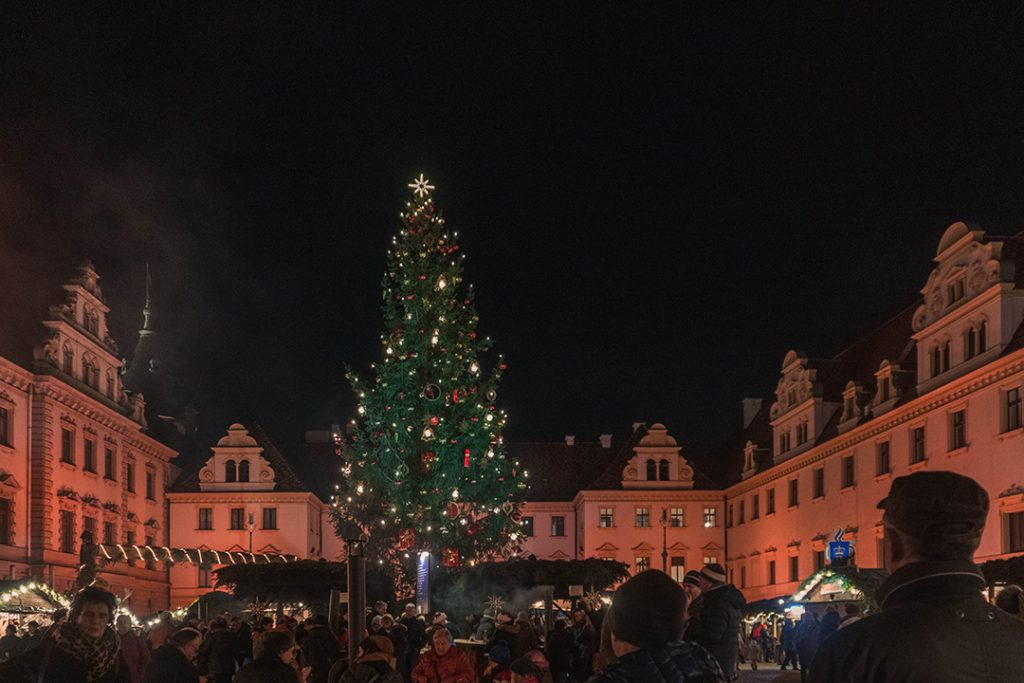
<point>934,624</point>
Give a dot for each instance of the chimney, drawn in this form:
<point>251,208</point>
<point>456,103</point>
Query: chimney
<point>606,440</point>
<point>570,440</point>
<point>638,425</point>
<point>751,406</point>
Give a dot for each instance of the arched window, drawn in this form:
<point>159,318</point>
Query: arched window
<point>69,360</point>
<point>652,470</point>
<point>945,356</point>
<point>663,470</point>
<point>969,344</point>
<point>936,362</point>
<point>111,385</point>
<point>982,334</point>
<point>230,472</point>
<point>243,471</point>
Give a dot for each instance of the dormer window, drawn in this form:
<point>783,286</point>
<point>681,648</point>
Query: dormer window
<point>945,356</point>
<point>791,397</point>
<point>885,389</point>
<point>982,333</point>
<point>92,323</point>
<point>662,470</point>
<point>230,472</point>
<point>652,470</point>
<point>784,442</point>
<point>849,407</point>
<point>69,360</point>
<point>243,471</point>
<point>954,291</point>
<point>801,434</point>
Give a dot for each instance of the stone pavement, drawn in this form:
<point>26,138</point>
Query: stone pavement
<point>768,673</point>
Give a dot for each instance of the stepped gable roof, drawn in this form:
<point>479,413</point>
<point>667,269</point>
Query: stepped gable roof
<point>286,479</point>
<point>558,471</point>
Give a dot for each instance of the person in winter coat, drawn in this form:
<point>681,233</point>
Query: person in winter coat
<point>558,651</point>
<point>133,648</point>
<point>808,638</point>
<point>443,662</point>
<point>159,634</point>
<point>216,658</point>
<point>717,624</point>
<point>84,648</point>
<point>275,663</point>
<point>399,637</point>
<point>787,641</point>
<point>505,631</point>
<point>829,622</point>
<point>320,649</point>
<point>375,663</point>
<point>498,661</point>
<point>584,637</point>
<point>934,623</point>
<point>10,643</point>
<point>173,661</point>
<point>1011,601</point>
<point>646,620</point>
<point>526,637</point>
<point>243,640</point>
<point>852,615</point>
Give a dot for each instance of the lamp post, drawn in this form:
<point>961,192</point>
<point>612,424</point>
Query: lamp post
<point>252,528</point>
<point>664,540</point>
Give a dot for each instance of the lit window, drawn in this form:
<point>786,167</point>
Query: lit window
<point>710,517</point>
<point>710,559</point>
<point>606,518</point>
<point>643,517</point>
<point>675,517</point>
<point>677,569</point>
<point>557,526</point>
<point>642,564</point>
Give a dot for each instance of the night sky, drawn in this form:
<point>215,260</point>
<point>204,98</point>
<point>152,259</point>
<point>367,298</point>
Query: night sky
<point>655,204</point>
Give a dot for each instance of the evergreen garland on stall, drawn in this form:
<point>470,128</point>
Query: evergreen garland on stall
<point>425,468</point>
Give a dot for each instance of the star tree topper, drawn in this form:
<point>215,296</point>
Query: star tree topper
<point>421,187</point>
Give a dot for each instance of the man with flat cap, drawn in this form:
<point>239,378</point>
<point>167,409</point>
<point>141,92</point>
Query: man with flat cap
<point>935,624</point>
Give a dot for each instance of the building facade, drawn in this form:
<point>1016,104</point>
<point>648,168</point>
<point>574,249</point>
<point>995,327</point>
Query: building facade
<point>75,457</point>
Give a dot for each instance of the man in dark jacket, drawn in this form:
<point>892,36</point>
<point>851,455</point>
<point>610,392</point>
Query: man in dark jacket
<point>275,663</point>
<point>558,650</point>
<point>320,649</point>
<point>172,662</point>
<point>716,626</point>
<point>217,655</point>
<point>585,642</point>
<point>787,641</point>
<point>399,637</point>
<point>647,617</point>
<point>934,624</point>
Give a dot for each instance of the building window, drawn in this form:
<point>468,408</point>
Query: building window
<point>819,559</point>
<point>728,517</point>
<point>743,512</point>
<point>150,563</point>
<point>237,519</point>
<point>67,446</point>
<point>643,518</point>
<point>885,389</point>
<point>642,564</point>
<point>606,518</point>
<point>557,526</point>
<point>243,471</point>
<point>794,568</point>
<point>111,385</point>
<point>710,559</point>
<point>954,291</point>
<point>882,461</point>
<point>945,356</point>
<point>794,493</point>
<point>982,336</point>
<point>677,568</point>
<point>230,472</point>
<point>69,361</point>
<point>755,507</point>
<point>769,503</point>
<point>1013,416</point>
<point>205,519</point>
<point>743,577</point>
<point>270,521</point>
<point>89,455</point>
<point>67,531</point>
<point>663,470</point>
<point>5,522</point>
<point>936,358</point>
<point>771,572</point>
<point>129,477</point>
<point>801,434</point>
<point>675,517</point>
<point>92,323</point>
<point>1015,532</point>
<point>969,341</point>
<point>957,430</point>
<point>917,445</point>
<point>108,533</point>
<point>89,525</point>
<point>150,484</point>
<point>710,517</point>
<point>819,483</point>
<point>204,577</point>
<point>849,408</point>
<point>109,464</point>
<point>652,470</point>
<point>5,426</point>
<point>784,442</point>
<point>849,478</point>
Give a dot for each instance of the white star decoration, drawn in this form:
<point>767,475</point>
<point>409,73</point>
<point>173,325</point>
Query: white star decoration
<point>421,187</point>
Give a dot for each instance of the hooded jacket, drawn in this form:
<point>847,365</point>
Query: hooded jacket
<point>169,665</point>
<point>934,626</point>
<point>669,663</point>
<point>716,626</point>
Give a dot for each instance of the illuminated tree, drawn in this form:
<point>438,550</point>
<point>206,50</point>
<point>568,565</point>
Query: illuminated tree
<point>425,468</point>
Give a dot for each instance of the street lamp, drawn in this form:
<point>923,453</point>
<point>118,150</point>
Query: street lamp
<point>664,540</point>
<point>252,528</point>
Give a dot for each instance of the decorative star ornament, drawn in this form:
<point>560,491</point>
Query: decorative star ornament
<point>421,187</point>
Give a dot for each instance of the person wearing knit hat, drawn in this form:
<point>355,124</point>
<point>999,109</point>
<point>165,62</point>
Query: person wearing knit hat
<point>691,585</point>
<point>498,662</point>
<point>647,615</point>
<point>376,662</point>
<point>716,623</point>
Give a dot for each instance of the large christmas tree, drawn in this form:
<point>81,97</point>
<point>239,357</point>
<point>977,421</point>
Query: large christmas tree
<point>425,468</point>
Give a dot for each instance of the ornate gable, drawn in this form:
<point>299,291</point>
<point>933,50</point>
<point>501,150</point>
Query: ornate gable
<point>796,385</point>
<point>237,464</point>
<point>657,463</point>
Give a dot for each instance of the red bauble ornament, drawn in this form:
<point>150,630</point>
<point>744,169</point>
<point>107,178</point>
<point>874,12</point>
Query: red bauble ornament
<point>452,510</point>
<point>450,557</point>
<point>434,420</point>
<point>427,459</point>
<point>406,539</point>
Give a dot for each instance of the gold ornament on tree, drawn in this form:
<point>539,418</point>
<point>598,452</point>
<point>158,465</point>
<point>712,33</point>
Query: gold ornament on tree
<point>594,600</point>
<point>495,603</point>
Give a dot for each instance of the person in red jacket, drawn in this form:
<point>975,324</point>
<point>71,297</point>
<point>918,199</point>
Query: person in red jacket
<point>133,648</point>
<point>443,662</point>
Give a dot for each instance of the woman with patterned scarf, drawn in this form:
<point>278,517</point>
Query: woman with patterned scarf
<point>83,649</point>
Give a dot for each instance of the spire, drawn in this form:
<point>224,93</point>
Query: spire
<point>147,311</point>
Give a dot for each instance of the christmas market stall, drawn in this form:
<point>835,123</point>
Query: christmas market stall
<point>25,600</point>
<point>837,586</point>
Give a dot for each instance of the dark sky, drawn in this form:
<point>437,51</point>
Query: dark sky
<point>656,204</point>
